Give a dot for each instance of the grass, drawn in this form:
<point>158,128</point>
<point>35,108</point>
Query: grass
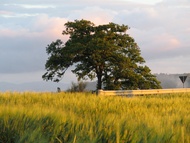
<point>85,118</point>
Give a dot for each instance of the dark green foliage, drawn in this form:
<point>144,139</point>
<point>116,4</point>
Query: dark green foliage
<point>77,87</point>
<point>106,52</point>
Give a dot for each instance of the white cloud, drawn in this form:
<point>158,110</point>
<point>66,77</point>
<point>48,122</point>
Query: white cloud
<point>31,6</point>
<point>18,15</point>
<point>37,6</point>
<point>152,2</point>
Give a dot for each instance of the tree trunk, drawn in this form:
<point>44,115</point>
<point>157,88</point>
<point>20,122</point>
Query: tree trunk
<point>99,83</point>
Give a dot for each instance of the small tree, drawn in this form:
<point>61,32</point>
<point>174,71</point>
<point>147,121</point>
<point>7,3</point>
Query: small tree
<point>78,87</point>
<point>106,52</point>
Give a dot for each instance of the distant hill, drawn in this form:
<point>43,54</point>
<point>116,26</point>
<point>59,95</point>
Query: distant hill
<point>173,80</point>
<point>167,81</point>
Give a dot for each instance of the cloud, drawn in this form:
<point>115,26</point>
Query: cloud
<point>51,25</point>
<point>149,2</point>
<point>41,25</point>
<point>161,30</point>
<point>30,6</point>
<point>23,49</point>
<point>176,65</point>
<point>9,15</point>
<point>95,14</point>
<point>35,6</point>
<point>162,35</point>
<point>3,12</point>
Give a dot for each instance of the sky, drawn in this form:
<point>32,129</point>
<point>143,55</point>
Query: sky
<point>161,29</point>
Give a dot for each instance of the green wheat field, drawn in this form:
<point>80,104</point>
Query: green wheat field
<point>31,117</point>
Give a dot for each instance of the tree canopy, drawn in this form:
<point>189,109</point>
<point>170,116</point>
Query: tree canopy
<point>105,52</point>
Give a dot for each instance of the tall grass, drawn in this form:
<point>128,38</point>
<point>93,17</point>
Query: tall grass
<point>31,117</point>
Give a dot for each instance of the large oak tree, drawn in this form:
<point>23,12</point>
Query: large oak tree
<point>105,52</point>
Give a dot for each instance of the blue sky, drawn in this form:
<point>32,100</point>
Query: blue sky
<point>161,28</point>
